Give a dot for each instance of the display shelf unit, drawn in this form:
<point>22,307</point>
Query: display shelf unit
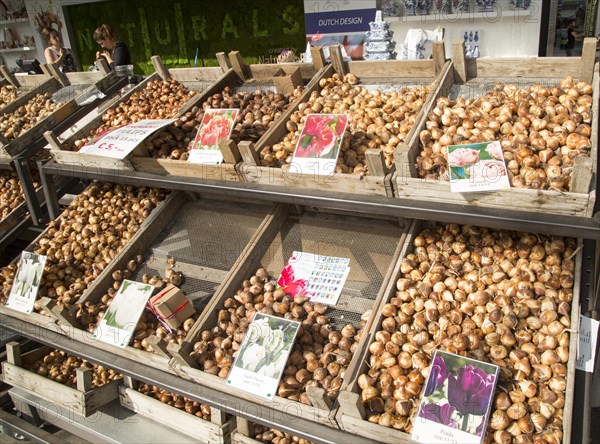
<point>436,17</point>
<point>4,23</point>
<point>19,49</point>
<point>316,200</point>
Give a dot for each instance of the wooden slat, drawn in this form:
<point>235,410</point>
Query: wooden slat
<point>186,423</point>
<point>84,379</point>
<point>583,169</point>
<point>238,65</point>
<point>318,57</point>
<point>206,74</point>
<point>160,67</point>
<point>337,59</point>
<point>90,161</point>
<point>588,59</point>
<point>249,153</point>
<point>58,74</point>
<point>373,431</point>
<point>439,56</point>
<point>9,76</point>
<point>229,150</point>
<point>13,353</point>
<point>171,167</point>
<point>459,59</point>
<point>224,61</point>
<point>376,162</point>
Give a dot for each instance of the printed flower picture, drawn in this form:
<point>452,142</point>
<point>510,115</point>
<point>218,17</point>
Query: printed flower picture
<point>27,280</point>
<point>267,345</point>
<point>477,167</point>
<point>321,136</point>
<point>458,395</point>
<point>289,283</point>
<point>47,18</point>
<point>216,126</point>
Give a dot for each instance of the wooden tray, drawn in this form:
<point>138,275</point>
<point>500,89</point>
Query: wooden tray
<point>378,182</point>
<point>199,76</point>
<point>578,202</point>
<point>351,414</point>
<point>215,431</point>
<point>373,247</point>
<point>237,74</point>
<point>83,400</point>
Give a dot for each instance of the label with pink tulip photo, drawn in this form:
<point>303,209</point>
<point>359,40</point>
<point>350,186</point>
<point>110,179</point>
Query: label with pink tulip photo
<point>216,126</point>
<point>319,144</point>
<point>457,401</point>
<point>321,278</point>
<point>477,167</point>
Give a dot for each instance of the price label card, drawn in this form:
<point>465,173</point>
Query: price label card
<point>586,347</point>
<point>263,354</point>
<point>27,282</point>
<point>121,318</point>
<point>477,167</point>
<point>118,143</point>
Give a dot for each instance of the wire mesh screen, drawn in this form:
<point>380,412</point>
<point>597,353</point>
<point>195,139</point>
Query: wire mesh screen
<point>482,85</point>
<point>199,85</point>
<point>205,238</point>
<point>386,84</point>
<point>70,92</point>
<point>369,244</point>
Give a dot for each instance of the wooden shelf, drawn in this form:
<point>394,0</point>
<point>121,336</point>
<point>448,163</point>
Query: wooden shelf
<point>22,49</point>
<point>13,21</point>
<point>436,17</point>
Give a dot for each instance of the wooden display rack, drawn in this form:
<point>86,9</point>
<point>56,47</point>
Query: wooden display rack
<point>51,83</point>
<point>379,179</point>
<point>578,202</point>
<point>82,400</point>
<point>268,249</point>
<point>351,415</point>
<point>284,77</point>
<point>215,431</point>
<point>213,75</point>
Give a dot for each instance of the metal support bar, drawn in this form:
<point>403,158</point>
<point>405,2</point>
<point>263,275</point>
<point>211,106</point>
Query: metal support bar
<point>270,417</point>
<point>33,204</point>
<point>12,424</point>
<point>49,188</point>
<point>501,218</point>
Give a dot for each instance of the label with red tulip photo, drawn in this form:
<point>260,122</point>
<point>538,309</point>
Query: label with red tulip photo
<point>321,278</point>
<point>216,126</point>
<point>457,401</point>
<point>319,144</point>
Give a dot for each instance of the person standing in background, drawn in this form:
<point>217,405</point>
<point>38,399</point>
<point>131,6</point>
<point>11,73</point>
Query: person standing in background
<point>55,52</point>
<point>119,52</point>
<point>572,36</point>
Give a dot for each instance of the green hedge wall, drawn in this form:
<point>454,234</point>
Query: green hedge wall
<point>174,29</point>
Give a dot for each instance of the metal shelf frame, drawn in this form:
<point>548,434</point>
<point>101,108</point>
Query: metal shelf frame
<point>586,228</point>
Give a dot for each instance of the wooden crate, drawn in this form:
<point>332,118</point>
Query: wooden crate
<point>351,415</point>
<point>83,400</point>
<point>237,74</point>
<point>244,432</point>
<point>215,431</point>
<point>194,77</point>
<point>379,179</point>
<point>578,202</point>
<point>213,268</point>
<point>373,247</point>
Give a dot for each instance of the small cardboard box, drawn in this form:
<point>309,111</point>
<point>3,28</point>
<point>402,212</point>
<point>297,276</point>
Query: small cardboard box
<point>172,306</point>
<point>286,83</point>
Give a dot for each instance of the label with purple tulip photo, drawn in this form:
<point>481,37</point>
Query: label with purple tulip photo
<point>456,404</point>
<point>477,167</point>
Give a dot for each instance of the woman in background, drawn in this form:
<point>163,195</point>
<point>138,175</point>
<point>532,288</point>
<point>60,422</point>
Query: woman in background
<point>116,53</point>
<point>56,52</point>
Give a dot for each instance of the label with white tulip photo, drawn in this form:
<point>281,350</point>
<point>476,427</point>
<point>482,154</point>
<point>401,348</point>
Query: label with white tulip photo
<point>119,322</point>
<point>27,282</point>
<point>586,346</point>
<point>262,356</point>
<point>477,167</point>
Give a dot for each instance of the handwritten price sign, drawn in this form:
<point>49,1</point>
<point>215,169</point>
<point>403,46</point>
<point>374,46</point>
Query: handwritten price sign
<point>119,142</point>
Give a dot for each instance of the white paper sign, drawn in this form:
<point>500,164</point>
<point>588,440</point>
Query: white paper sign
<point>321,278</point>
<point>477,167</point>
<point>261,360</point>
<point>121,318</point>
<point>586,347</point>
<point>27,282</point>
<point>118,143</point>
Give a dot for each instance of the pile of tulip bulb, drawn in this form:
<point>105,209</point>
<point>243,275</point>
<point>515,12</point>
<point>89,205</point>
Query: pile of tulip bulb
<point>496,296</point>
